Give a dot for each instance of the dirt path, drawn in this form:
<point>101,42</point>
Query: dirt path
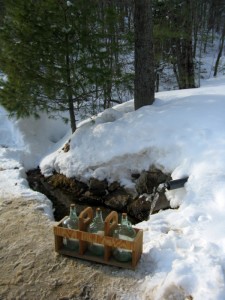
<point>31,270</point>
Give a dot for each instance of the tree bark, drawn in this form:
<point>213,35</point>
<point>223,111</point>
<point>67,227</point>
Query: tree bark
<point>220,52</point>
<point>70,97</point>
<point>69,84</point>
<point>183,64</point>
<point>144,62</point>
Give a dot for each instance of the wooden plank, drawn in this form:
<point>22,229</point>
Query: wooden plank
<point>85,218</point>
<point>136,254</point>
<point>94,238</point>
<point>58,243</point>
<point>97,259</point>
<point>111,222</point>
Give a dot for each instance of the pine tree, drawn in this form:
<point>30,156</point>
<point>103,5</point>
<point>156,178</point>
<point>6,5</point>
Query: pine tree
<point>51,52</point>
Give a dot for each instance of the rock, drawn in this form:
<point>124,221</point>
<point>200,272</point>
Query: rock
<point>98,187</point>
<point>148,204</point>
<point>66,147</point>
<point>63,191</point>
<point>139,208</point>
<point>118,199</point>
<point>68,184</point>
<point>161,203</point>
<point>91,199</point>
<point>149,180</point>
<point>113,186</point>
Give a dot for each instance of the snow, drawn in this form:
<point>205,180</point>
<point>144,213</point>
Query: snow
<point>183,133</point>
<point>22,144</point>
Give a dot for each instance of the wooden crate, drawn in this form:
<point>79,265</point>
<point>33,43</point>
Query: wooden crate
<point>108,242</point>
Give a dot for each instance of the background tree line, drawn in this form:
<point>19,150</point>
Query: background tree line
<point>183,31</point>
<point>78,56</point>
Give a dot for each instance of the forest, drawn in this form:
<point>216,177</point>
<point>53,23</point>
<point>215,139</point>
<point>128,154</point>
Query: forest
<point>77,58</point>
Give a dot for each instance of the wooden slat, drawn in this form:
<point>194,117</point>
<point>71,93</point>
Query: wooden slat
<point>85,218</point>
<point>58,243</point>
<point>93,238</point>
<point>97,259</point>
<point>111,221</point>
<point>136,254</point>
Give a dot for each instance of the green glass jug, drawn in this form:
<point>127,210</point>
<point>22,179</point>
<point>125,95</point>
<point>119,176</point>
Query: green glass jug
<point>124,231</point>
<point>71,222</point>
<point>97,227</point>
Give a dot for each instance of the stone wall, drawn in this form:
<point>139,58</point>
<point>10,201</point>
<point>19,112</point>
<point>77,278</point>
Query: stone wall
<point>149,197</point>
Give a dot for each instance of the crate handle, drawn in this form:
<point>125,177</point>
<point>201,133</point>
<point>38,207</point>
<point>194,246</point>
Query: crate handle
<point>111,222</point>
<point>85,218</point>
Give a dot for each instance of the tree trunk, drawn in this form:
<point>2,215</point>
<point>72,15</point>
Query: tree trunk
<point>144,62</point>
<point>219,53</point>
<point>69,86</point>
<point>184,63</point>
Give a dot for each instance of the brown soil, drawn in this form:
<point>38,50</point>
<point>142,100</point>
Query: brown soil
<point>31,270</point>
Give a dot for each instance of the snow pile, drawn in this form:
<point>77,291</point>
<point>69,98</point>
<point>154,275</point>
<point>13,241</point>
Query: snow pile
<point>22,144</point>
<point>178,132</point>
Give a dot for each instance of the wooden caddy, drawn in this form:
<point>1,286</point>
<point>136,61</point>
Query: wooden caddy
<point>107,241</point>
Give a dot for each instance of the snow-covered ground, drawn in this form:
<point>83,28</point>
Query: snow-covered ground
<point>183,133</point>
